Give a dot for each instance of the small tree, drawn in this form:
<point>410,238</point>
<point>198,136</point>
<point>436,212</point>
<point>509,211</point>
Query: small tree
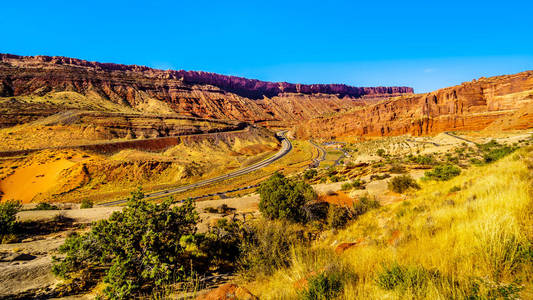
<point>8,216</point>
<point>283,198</point>
<point>137,249</point>
<point>402,183</point>
<point>86,203</point>
<point>380,152</point>
<point>443,172</point>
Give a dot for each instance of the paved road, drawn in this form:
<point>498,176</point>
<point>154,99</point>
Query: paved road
<point>286,147</point>
<point>321,154</point>
<point>460,138</point>
<point>423,142</point>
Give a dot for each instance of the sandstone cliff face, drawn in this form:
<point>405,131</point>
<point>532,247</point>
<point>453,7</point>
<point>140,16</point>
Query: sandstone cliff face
<point>199,94</point>
<point>502,102</point>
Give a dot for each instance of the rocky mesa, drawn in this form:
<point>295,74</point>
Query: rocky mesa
<point>499,103</point>
<point>198,94</point>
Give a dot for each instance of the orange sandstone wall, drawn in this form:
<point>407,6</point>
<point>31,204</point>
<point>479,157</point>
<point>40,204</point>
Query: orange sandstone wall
<point>505,100</point>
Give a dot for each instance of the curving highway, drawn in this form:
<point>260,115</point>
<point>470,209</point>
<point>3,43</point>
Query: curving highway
<point>286,147</point>
<point>321,154</point>
<point>459,138</point>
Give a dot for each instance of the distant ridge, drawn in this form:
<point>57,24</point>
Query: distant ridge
<point>250,88</point>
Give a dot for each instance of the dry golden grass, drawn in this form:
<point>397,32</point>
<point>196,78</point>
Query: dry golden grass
<point>474,242</point>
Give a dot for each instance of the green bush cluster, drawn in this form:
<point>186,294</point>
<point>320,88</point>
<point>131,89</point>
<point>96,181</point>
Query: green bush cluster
<point>284,198</point>
<point>422,159</point>
<point>45,206</point>
<point>356,184</point>
<point>443,172</point>
<point>402,183</point>
<point>379,177</point>
<point>323,286</point>
<point>498,153</point>
<point>397,277</point>
<point>310,174</point>
<point>381,152</point>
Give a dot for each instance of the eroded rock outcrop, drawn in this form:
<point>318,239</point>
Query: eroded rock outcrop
<point>199,94</point>
<point>501,102</point>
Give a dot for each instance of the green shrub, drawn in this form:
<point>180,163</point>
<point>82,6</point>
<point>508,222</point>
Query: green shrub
<point>283,198</point>
<point>443,172</point>
<point>8,216</point>
<point>335,178</point>
<point>496,154</point>
<point>397,169</point>
<point>358,184</point>
<point>380,152</point>
<point>323,286</point>
<point>396,277</point>
<point>346,186</point>
<point>402,183</point>
<point>454,189</point>
<point>452,159</point>
<point>266,246</point>
<point>476,161</point>
<point>45,206</point>
<point>337,217</point>
<point>422,159</point>
<point>364,204</point>
<point>379,177</point>
<point>488,146</point>
<point>310,174</point>
<point>138,249</point>
<point>86,203</point>
<point>378,164</point>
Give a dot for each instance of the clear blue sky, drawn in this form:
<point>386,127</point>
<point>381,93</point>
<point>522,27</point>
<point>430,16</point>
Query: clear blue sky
<point>424,44</point>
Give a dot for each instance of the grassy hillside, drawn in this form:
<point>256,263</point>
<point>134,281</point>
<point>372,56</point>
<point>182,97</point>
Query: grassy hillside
<point>467,238</point>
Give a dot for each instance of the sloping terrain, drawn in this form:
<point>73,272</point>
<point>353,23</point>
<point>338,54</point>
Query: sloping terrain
<point>74,174</point>
<point>467,238</point>
<point>501,102</point>
<point>74,128</point>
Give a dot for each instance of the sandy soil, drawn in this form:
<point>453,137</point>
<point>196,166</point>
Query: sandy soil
<point>79,215</point>
<point>27,182</point>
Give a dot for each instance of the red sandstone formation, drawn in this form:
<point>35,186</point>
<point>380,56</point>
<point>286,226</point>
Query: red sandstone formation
<point>199,94</point>
<point>501,102</point>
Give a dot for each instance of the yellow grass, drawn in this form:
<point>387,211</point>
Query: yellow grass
<point>477,236</point>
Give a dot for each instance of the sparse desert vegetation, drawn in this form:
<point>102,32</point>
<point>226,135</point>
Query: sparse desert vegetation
<point>470,243</point>
<point>128,182</point>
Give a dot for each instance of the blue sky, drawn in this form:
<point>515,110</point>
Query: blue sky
<point>423,44</point>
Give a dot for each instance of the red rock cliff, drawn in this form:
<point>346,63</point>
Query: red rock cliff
<point>501,102</point>
<point>193,93</point>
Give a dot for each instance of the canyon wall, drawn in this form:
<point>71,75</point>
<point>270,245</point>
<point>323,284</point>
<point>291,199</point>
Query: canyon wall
<point>198,94</point>
<point>501,102</point>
